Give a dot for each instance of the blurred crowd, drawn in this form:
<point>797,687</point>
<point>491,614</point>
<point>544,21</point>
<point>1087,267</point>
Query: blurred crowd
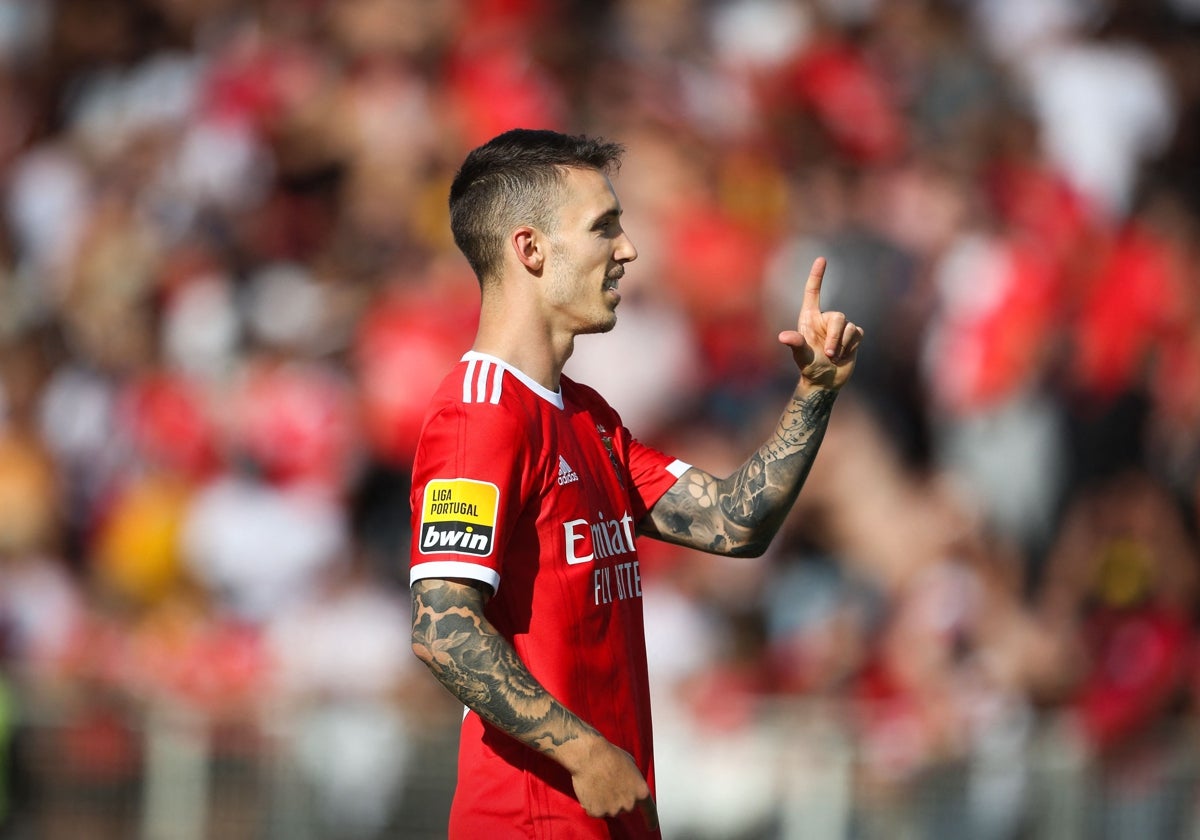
<point>227,289</point>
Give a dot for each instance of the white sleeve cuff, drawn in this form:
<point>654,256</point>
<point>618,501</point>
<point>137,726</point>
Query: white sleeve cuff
<point>455,569</point>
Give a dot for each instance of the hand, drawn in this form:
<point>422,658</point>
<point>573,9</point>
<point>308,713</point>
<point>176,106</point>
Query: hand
<point>824,344</point>
<point>609,783</point>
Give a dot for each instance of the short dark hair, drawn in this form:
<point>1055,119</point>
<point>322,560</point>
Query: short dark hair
<point>513,179</point>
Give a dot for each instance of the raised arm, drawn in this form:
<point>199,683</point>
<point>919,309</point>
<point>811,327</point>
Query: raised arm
<point>740,515</point>
<point>465,652</point>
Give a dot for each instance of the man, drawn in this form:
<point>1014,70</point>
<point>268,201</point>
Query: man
<point>528,493</point>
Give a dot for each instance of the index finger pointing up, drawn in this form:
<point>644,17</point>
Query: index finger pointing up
<point>812,288</point>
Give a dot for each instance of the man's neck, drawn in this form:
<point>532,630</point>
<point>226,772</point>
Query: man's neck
<point>524,341</point>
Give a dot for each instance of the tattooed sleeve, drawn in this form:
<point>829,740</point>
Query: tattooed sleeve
<point>479,666</point>
<point>740,514</point>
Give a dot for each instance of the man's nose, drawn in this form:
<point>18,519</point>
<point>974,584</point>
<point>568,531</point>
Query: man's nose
<point>626,252</point>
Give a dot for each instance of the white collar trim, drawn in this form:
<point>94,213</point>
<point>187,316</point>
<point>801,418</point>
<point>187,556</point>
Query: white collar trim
<point>555,398</point>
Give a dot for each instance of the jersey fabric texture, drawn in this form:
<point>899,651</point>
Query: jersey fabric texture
<point>538,494</point>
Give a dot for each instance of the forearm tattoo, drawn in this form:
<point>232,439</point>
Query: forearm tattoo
<point>479,666</point>
<point>740,514</point>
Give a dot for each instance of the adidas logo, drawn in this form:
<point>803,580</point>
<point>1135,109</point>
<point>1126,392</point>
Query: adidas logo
<point>565,474</point>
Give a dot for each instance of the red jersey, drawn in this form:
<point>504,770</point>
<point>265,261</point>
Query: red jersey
<point>538,494</point>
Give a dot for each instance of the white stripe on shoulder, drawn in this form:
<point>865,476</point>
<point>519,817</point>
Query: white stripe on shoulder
<point>497,385</point>
<point>470,374</point>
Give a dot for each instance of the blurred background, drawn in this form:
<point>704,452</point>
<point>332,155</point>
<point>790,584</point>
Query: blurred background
<point>227,288</point>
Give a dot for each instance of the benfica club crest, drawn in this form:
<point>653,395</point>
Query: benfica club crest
<point>607,441</point>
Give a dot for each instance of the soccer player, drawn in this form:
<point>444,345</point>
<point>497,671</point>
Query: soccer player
<point>529,494</point>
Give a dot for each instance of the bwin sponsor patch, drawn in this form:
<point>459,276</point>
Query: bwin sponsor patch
<point>458,516</point>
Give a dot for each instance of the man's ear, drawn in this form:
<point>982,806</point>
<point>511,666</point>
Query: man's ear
<point>527,244</point>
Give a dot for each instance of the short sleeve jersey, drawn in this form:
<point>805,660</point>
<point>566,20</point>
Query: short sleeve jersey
<point>538,494</point>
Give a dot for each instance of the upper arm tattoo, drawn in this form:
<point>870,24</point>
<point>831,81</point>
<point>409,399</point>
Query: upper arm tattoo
<point>740,514</point>
<point>478,666</point>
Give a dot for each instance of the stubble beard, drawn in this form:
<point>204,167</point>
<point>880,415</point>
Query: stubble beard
<point>600,326</point>
<point>610,284</point>
<point>604,318</point>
